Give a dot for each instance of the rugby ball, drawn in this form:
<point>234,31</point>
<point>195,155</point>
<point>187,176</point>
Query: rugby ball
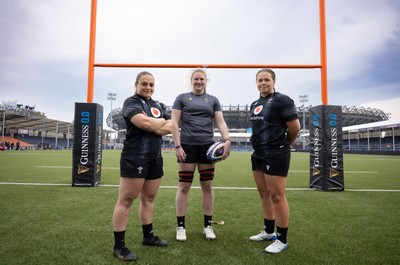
<point>215,152</point>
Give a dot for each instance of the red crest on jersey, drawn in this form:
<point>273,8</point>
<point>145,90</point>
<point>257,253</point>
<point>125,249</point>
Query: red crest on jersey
<point>258,110</point>
<point>155,112</point>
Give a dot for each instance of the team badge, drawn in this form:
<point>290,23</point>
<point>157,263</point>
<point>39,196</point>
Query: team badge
<point>155,112</point>
<point>258,110</point>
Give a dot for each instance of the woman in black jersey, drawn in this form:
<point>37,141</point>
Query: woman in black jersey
<point>141,164</point>
<point>275,128</point>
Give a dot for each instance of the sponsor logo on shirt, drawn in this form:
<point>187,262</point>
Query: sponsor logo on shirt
<point>258,109</point>
<point>155,112</point>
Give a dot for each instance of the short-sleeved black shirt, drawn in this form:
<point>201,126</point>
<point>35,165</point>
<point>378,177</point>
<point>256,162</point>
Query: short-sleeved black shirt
<point>268,116</point>
<point>138,142</point>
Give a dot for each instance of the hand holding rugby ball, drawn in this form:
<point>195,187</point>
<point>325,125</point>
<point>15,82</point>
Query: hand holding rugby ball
<point>215,152</point>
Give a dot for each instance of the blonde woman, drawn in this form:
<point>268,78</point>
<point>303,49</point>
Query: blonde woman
<point>195,113</point>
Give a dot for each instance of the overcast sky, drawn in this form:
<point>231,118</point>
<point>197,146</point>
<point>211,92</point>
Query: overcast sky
<point>44,50</point>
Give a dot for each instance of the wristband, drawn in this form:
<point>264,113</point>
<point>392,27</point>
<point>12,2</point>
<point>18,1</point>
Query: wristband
<point>178,146</point>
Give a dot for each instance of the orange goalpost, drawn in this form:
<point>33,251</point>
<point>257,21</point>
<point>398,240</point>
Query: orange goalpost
<point>322,65</point>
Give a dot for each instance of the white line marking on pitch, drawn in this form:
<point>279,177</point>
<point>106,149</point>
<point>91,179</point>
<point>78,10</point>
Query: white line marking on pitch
<point>194,187</point>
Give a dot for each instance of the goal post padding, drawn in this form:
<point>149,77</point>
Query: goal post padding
<point>87,152</point>
<point>326,148</point>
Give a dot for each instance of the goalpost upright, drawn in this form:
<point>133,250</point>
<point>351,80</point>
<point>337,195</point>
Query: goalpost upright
<point>326,162</point>
<point>323,59</point>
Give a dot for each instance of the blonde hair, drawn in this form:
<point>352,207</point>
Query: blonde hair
<point>200,70</point>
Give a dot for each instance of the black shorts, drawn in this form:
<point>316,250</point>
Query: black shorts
<point>196,153</point>
<point>276,163</point>
<point>138,167</point>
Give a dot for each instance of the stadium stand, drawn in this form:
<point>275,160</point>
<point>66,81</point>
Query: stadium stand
<point>26,124</point>
<point>238,117</point>
<point>238,120</point>
<point>11,143</point>
<point>376,136</point>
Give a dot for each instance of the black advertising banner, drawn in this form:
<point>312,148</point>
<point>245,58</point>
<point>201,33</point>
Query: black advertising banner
<point>326,148</point>
<point>334,148</point>
<point>316,149</point>
<point>87,153</point>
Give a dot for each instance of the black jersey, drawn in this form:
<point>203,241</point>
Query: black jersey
<point>268,117</point>
<point>139,142</point>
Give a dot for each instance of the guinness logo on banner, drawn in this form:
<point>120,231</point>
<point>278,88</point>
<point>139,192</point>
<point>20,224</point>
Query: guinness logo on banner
<point>82,169</point>
<point>316,171</point>
<point>333,173</point>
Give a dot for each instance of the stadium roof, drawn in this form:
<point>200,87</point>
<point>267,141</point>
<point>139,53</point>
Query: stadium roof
<point>35,122</point>
<point>373,125</point>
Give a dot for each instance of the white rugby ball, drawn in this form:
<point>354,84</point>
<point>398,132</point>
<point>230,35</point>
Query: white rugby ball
<point>215,152</point>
